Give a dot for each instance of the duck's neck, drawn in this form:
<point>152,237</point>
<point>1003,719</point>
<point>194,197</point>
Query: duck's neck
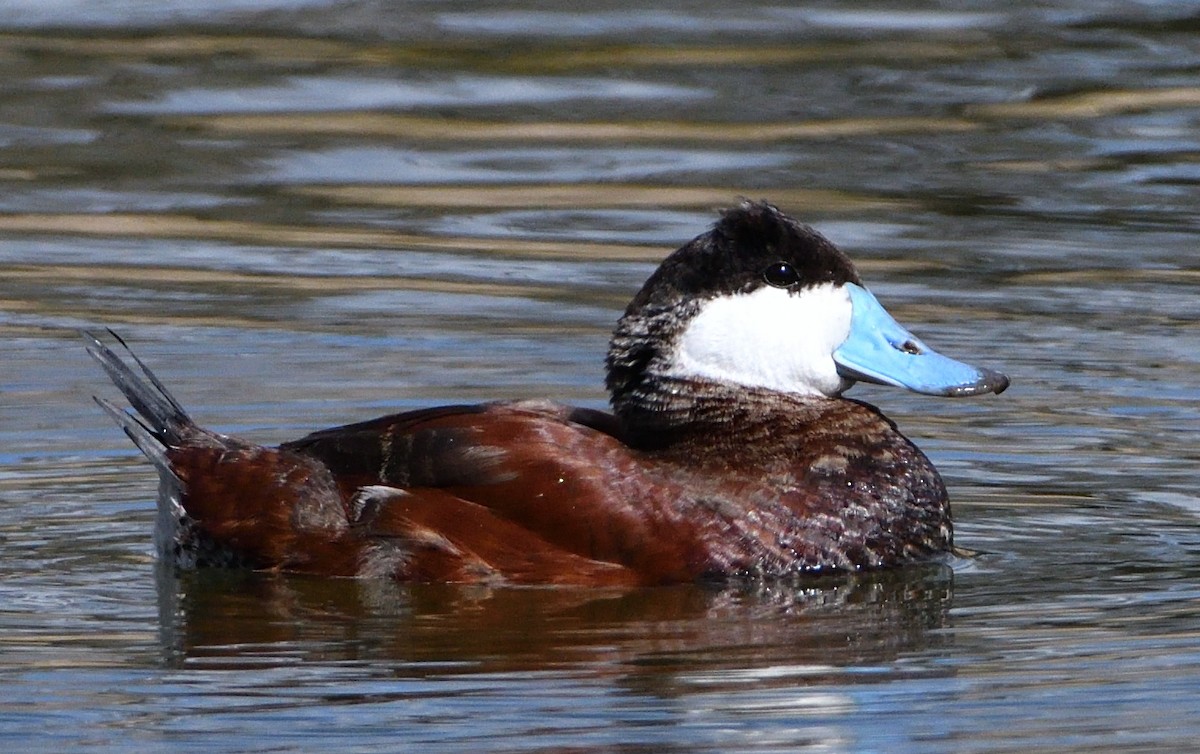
<point>669,411</point>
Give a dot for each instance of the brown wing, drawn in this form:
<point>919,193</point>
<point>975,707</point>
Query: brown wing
<point>433,536</point>
<point>522,487</point>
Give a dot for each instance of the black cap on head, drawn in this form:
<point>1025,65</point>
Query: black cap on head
<point>738,253</point>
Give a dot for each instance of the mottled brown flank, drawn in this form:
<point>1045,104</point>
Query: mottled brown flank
<point>270,508</point>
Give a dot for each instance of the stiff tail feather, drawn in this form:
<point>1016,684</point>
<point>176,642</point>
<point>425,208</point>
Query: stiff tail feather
<point>159,424</point>
<point>160,419</point>
<point>221,501</point>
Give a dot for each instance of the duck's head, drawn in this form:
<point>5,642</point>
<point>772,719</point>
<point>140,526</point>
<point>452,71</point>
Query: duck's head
<point>762,301</point>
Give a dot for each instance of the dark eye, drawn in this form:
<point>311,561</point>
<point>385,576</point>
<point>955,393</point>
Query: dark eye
<point>780,275</point>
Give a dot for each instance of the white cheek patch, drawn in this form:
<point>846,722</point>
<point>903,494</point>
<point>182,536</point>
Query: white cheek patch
<point>770,338</point>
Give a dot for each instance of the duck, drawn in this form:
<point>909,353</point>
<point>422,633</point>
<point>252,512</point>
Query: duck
<point>729,452</point>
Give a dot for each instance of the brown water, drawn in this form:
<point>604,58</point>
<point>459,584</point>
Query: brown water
<point>314,213</point>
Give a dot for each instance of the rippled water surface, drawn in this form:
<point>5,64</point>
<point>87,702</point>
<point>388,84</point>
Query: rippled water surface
<point>307,213</point>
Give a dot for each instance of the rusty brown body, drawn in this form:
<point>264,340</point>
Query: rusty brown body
<point>539,493</point>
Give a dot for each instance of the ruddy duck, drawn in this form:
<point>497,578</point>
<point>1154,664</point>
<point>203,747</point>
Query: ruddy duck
<point>730,451</point>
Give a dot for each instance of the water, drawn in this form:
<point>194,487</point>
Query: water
<point>309,213</point>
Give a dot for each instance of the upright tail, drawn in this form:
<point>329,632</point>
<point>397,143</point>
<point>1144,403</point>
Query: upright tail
<point>221,501</point>
<point>160,422</point>
<point>157,425</point>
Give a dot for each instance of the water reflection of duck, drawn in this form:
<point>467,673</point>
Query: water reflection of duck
<point>729,453</point>
<point>641,638</point>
